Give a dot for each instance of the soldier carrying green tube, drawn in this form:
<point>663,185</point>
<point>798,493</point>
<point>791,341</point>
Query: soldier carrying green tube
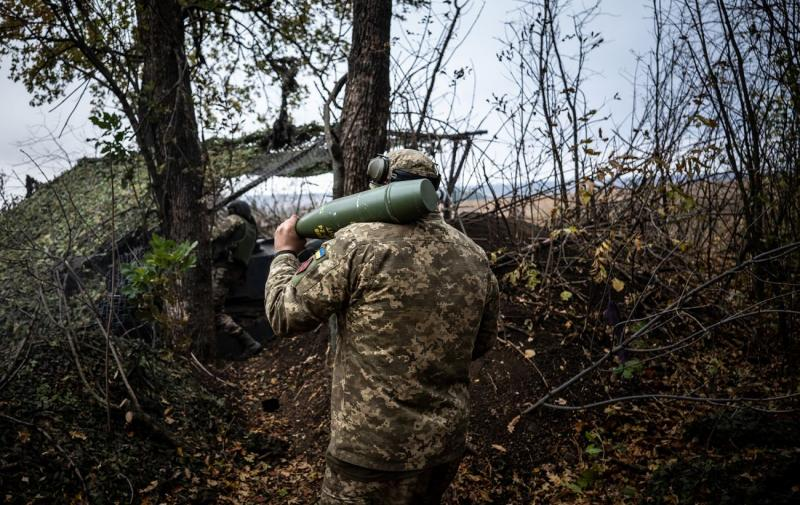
<point>415,302</point>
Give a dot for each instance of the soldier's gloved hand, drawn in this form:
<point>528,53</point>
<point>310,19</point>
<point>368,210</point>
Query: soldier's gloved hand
<point>286,238</point>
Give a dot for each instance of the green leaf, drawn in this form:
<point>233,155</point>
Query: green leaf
<point>629,368</point>
<point>532,278</point>
<point>593,450</point>
<point>585,197</point>
<point>151,280</point>
<point>566,295</point>
<point>587,478</point>
<point>574,487</point>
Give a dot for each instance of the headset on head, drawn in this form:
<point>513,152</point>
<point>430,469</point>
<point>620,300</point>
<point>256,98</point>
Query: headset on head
<point>378,173</point>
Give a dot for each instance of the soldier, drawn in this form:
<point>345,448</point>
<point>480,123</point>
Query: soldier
<point>414,304</point>
<point>233,240</point>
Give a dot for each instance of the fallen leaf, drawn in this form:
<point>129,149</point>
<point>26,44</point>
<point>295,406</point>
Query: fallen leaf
<point>529,353</point>
<point>513,424</point>
<point>150,487</point>
<point>499,447</point>
<point>77,434</point>
<point>617,284</point>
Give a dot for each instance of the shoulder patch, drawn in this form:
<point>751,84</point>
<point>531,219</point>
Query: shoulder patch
<point>320,253</point>
<point>304,265</point>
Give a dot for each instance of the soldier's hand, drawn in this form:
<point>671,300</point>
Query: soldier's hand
<point>286,238</point>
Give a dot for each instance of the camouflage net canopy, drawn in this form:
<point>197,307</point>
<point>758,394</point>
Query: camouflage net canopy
<point>54,357</point>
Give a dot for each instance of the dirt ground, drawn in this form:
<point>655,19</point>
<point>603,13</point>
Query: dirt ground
<point>286,395</point>
<point>285,392</point>
<point>657,452</point>
<point>255,432</point>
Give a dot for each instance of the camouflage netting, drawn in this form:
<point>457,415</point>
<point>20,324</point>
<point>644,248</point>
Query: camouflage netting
<point>71,222</point>
<point>59,424</point>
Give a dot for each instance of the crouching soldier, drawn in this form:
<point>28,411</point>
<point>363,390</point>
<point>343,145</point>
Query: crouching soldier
<point>233,241</point>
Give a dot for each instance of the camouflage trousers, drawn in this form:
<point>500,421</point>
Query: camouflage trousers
<point>225,277</point>
<point>373,487</point>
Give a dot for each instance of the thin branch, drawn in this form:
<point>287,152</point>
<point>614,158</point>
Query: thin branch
<point>713,401</point>
<point>766,256</point>
<point>332,140</point>
<point>436,67</point>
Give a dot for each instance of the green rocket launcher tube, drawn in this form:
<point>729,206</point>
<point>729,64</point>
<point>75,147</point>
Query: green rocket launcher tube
<point>398,202</point>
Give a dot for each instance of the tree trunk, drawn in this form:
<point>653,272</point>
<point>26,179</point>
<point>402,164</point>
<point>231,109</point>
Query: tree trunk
<point>366,99</point>
<point>171,139</point>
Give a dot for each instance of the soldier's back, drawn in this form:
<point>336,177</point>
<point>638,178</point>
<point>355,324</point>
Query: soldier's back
<point>400,378</point>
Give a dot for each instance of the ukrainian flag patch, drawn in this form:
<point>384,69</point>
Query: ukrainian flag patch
<point>320,253</point>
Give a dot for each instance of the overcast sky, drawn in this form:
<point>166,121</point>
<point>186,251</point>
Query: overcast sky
<point>47,137</point>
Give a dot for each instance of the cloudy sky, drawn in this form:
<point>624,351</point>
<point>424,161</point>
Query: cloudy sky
<point>56,138</point>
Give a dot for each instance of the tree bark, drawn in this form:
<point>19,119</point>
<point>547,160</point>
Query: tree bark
<point>170,138</point>
<point>366,100</point>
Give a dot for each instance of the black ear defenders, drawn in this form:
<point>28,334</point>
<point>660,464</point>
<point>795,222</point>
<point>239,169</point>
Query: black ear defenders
<point>378,173</point>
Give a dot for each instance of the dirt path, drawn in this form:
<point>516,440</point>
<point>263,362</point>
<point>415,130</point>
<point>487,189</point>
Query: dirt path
<point>284,398</point>
<point>659,452</point>
<point>285,394</point>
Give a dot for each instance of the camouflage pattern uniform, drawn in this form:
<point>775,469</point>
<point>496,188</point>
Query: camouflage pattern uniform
<point>233,240</point>
<point>354,485</point>
<point>414,305</point>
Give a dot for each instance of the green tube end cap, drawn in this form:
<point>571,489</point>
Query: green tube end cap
<point>429,197</point>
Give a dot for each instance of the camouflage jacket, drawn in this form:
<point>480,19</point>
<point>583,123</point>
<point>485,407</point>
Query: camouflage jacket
<point>415,304</point>
<point>233,239</point>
